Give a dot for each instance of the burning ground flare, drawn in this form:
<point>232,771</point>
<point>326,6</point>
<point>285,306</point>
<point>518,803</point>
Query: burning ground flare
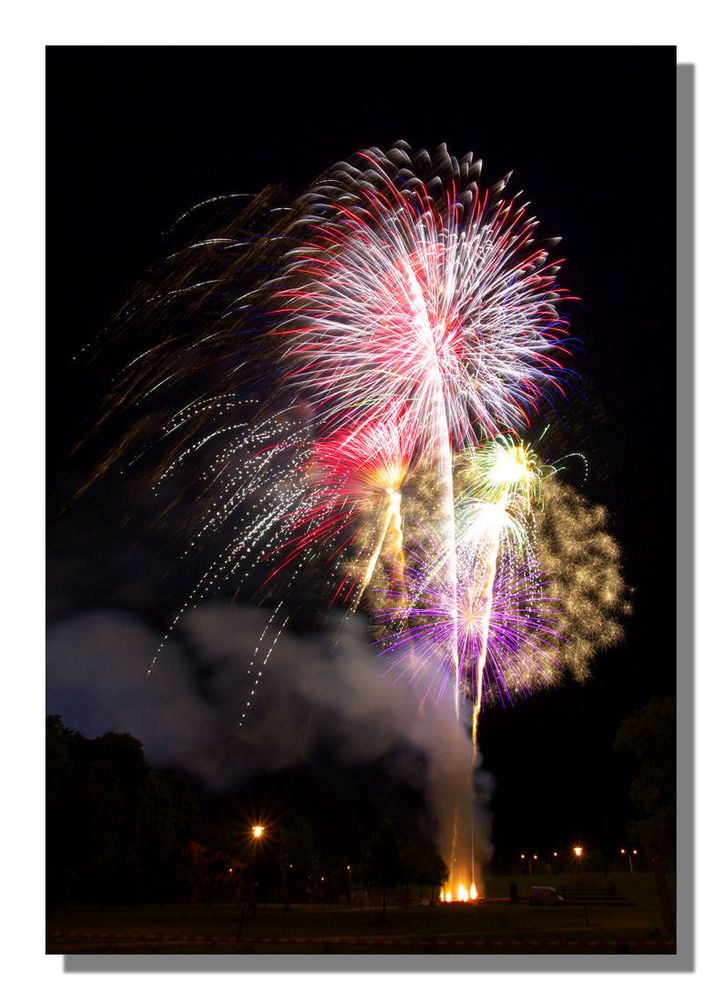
<point>370,372</point>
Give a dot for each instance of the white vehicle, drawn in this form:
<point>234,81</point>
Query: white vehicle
<point>544,895</point>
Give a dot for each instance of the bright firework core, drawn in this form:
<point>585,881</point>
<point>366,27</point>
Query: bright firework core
<point>509,466</point>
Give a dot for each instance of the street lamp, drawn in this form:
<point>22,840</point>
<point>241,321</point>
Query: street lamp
<point>578,854</point>
<point>623,851</point>
<point>256,832</point>
<point>528,860</point>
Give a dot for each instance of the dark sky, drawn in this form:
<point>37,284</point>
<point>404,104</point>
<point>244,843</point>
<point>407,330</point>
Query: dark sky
<point>137,136</point>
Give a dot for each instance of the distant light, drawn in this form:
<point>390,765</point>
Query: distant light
<point>536,857</point>
<point>258,831</point>
<point>578,851</point>
<point>555,854</point>
<point>523,856</point>
<point>622,851</point>
<point>230,870</point>
<point>634,851</point>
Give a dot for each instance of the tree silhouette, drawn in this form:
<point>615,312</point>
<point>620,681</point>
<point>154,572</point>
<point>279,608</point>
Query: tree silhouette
<point>650,736</point>
<point>423,863</point>
<point>116,830</point>
<point>387,867</point>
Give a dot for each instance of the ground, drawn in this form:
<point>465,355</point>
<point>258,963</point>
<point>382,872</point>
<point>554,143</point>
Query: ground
<point>631,926</point>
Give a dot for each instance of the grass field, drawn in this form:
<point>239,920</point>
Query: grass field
<point>491,926</point>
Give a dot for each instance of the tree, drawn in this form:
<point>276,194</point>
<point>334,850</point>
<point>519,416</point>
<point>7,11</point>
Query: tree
<point>387,868</point>
<point>61,747</point>
<point>171,815</point>
<point>116,831</point>
<point>296,856</point>
<point>424,865</point>
<point>650,735</point>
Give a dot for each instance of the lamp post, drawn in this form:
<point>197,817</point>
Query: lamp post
<point>628,854</point>
<point>257,833</point>
<point>528,861</point>
<point>579,854</point>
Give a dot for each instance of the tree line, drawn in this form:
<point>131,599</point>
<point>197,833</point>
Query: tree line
<point>121,832</point>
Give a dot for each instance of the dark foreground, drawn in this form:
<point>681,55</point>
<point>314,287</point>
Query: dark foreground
<point>492,927</point>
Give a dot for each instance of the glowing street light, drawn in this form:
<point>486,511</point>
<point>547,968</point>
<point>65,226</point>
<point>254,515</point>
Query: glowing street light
<point>578,852</point>
<point>623,851</point>
<point>528,859</point>
<point>258,831</point>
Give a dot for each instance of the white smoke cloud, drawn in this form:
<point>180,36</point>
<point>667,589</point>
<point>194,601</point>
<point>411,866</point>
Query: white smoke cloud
<point>325,692</point>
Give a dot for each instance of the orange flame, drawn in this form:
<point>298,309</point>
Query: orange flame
<point>463,894</point>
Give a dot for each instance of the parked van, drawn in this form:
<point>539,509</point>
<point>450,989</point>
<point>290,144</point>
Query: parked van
<point>544,895</point>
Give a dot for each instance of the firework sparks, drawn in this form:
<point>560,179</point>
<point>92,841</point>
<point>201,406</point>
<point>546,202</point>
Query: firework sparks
<point>582,561</point>
<point>410,330</point>
<point>357,477</point>
<point>422,294</point>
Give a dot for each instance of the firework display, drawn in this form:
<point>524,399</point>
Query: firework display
<point>402,329</point>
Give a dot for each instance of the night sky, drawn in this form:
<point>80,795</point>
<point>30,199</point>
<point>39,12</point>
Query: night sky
<point>137,136</point>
